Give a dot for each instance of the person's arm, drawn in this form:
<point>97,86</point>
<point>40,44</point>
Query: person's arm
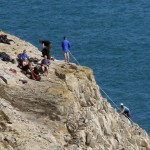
<point>23,63</point>
<point>18,56</point>
<point>42,61</point>
<point>27,56</point>
<point>49,62</point>
<point>122,111</point>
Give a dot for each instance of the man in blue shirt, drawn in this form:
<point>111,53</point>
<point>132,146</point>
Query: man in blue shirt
<point>124,110</point>
<point>65,47</point>
<point>21,57</point>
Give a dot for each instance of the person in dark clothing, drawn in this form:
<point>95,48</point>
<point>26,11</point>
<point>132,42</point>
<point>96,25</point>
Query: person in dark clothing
<point>35,74</point>
<point>125,110</point>
<point>4,39</point>
<point>47,45</point>
<point>65,48</point>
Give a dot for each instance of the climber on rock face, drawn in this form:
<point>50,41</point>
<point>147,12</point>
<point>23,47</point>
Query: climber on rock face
<point>124,110</point>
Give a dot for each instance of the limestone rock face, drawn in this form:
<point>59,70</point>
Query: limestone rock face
<point>64,111</point>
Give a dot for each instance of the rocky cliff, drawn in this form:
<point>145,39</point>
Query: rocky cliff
<point>64,111</point>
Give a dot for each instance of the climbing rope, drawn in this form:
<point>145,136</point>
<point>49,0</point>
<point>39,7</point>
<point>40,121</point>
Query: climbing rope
<point>115,103</point>
<point>103,91</point>
<point>74,58</point>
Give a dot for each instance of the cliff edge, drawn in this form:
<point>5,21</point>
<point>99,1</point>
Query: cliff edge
<point>64,111</point>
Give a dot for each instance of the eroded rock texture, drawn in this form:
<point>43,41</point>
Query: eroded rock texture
<point>64,111</point>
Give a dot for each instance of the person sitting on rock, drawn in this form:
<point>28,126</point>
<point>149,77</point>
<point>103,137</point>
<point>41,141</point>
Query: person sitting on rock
<point>22,56</point>
<point>35,75</point>
<point>25,65</point>
<point>45,65</point>
<point>124,110</point>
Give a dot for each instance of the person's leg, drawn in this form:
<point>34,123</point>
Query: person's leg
<point>67,57</point>
<point>19,62</point>
<point>43,69</point>
<point>127,114</point>
<point>32,75</point>
<point>48,55</point>
<point>46,70</point>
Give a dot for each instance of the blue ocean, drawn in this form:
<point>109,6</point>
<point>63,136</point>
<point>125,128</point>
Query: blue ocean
<point>110,36</point>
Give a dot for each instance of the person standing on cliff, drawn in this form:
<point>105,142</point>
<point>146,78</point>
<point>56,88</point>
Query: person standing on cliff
<point>125,110</point>
<point>46,47</point>
<point>65,48</point>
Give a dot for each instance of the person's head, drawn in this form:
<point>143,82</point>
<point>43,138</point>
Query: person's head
<point>24,51</point>
<point>121,105</point>
<point>65,37</point>
<point>45,42</point>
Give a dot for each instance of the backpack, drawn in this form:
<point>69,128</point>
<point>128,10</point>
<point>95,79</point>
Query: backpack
<point>4,56</point>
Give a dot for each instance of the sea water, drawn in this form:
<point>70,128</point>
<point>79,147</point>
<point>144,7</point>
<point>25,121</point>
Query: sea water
<point>110,36</point>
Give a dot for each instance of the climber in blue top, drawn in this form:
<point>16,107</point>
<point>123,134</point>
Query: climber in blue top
<point>124,110</point>
<point>65,47</point>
